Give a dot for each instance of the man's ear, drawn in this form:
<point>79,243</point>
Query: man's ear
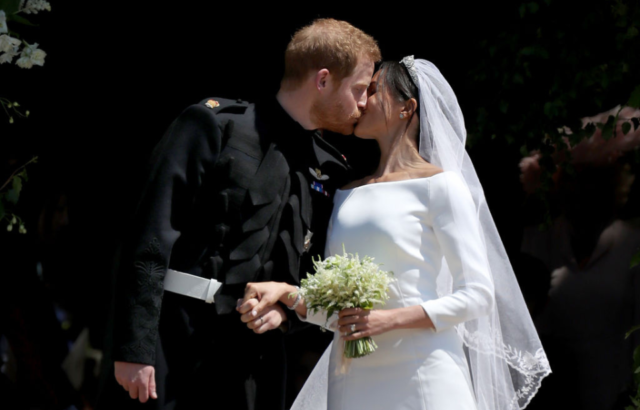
<point>322,79</point>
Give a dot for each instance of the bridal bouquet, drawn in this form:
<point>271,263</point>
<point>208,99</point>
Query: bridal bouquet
<point>342,282</point>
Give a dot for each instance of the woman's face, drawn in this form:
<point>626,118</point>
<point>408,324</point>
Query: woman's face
<point>374,123</point>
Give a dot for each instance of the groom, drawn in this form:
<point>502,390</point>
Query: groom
<point>239,193</point>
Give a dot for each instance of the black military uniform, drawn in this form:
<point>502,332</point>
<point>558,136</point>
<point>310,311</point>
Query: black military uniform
<point>237,192</point>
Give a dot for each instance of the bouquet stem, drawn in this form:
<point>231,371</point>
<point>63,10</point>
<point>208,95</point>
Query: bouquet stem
<point>359,348</point>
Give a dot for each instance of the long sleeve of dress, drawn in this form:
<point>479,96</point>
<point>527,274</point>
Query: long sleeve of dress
<point>188,150</point>
<point>453,217</point>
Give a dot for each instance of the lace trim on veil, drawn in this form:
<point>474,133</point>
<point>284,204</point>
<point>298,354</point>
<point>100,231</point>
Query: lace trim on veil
<point>534,367</point>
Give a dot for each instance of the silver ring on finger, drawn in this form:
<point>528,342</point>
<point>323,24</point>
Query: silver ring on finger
<point>261,320</point>
<point>353,328</point>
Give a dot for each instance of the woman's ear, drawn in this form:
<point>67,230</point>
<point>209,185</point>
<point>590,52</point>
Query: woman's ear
<point>410,107</point>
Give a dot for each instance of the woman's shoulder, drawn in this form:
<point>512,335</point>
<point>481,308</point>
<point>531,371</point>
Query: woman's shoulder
<point>424,172</point>
<point>450,191</point>
<point>356,183</point>
<point>428,171</point>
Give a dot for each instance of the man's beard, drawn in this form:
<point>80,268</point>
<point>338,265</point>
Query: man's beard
<point>330,115</point>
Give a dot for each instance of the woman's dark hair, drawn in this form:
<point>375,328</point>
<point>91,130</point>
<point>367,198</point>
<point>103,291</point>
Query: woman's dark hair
<point>396,78</point>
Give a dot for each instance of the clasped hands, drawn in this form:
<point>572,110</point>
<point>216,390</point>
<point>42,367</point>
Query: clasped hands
<point>261,311</point>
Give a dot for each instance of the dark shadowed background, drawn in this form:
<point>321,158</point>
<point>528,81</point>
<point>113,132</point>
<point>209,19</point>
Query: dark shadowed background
<point>117,74</point>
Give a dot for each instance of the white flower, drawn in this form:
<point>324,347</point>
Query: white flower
<point>34,6</point>
<point>8,43</point>
<point>31,55</point>
<point>3,22</point>
<point>9,48</point>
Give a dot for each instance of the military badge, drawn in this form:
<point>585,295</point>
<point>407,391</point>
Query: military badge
<point>212,104</point>
<point>317,174</point>
<point>307,240</point>
<point>316,186</point>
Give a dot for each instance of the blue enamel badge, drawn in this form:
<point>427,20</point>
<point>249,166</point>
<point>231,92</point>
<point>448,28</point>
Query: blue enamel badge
<point>316,186</point>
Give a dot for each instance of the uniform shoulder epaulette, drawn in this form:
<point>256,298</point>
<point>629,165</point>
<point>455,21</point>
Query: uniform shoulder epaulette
<point>224,105</point>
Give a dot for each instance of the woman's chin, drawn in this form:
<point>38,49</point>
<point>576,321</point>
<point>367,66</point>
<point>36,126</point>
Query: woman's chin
<point>360,132</point>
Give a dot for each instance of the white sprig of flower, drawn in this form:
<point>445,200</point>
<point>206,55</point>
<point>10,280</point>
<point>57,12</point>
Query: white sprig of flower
<point>31,55</point>
<point>345,281</point>
<point>3,22</point>
<point>9,48</point>
<point>8,43</point>
<point>34,6</point>
<point>342,282</point>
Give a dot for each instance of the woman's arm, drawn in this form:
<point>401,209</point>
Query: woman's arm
<point>453,218</point>
<point>375,322</point>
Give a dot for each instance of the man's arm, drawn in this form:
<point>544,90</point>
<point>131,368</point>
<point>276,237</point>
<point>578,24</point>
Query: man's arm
<point>188,150</point>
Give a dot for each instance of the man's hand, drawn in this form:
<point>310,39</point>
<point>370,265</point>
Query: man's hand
<point>271,317</point>
<point>267,294</point>
<point>138,379</point>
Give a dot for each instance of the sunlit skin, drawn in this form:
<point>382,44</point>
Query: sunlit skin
<point>395,128</point>
<point>321,102</point>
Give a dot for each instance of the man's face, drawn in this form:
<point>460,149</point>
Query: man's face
<point>339,109</point>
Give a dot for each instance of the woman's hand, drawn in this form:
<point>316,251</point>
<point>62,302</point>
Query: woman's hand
<point>270,318</point>
<point>267,294</point>
<point>367,322</point>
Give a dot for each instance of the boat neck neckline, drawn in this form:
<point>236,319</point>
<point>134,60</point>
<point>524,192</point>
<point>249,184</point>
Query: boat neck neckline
<point>391,182</point>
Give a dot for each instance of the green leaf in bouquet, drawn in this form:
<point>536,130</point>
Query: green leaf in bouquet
<point>19,19</point>
<point>626,127</point>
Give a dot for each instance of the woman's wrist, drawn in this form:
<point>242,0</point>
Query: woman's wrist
<point>287,290</point>
<point>394,319</point>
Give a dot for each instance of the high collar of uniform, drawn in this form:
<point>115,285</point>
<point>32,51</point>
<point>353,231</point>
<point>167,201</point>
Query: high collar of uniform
<point>296,142</point>
<point>279,124</point>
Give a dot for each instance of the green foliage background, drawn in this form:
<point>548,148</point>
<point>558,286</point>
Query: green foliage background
<point>553,63</point>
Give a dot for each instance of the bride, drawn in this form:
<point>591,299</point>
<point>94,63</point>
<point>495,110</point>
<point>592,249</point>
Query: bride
<point>455,333</point>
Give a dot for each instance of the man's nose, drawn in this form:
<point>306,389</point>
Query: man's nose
<point>362,103</point>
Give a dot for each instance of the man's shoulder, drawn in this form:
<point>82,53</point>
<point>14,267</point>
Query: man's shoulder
<point>225,105</point>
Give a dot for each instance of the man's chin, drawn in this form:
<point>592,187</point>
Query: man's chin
<point>344,130</point>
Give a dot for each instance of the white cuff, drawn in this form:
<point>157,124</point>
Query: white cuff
<point>320,319</point>
<point>431,309</point>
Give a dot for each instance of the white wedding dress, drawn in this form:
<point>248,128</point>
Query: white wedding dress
<point>410,227</point>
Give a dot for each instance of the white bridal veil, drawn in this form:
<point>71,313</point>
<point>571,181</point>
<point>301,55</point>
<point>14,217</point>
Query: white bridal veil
<point>505,355</point>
